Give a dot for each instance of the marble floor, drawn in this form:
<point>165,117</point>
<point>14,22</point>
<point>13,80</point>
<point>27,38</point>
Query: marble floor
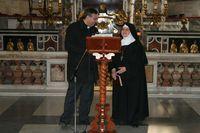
<point>40,114</point>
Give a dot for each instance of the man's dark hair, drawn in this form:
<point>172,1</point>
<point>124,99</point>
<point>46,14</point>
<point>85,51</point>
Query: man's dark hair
<point>87,12</point>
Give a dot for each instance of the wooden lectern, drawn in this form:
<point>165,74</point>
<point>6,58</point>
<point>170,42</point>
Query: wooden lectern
<point>103,48</point>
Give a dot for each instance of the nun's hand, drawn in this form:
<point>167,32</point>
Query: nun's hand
<point>121,70</point>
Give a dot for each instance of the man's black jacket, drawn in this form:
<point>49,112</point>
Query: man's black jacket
<point>75,44</point>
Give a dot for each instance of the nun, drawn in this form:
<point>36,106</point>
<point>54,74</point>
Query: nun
<point>130,101</point>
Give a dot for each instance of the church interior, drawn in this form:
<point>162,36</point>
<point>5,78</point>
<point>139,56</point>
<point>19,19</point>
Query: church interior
<point>33,62</point>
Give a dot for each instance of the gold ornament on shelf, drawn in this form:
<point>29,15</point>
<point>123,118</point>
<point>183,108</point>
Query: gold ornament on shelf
<point>30,45</point>
<point>183,47</point>
<point>194,48</point>
<point>173,47</point>
<point>10,45</point>
<point>20,45</point>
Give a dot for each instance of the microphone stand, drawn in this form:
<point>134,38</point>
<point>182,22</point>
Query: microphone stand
<point>74,78</point>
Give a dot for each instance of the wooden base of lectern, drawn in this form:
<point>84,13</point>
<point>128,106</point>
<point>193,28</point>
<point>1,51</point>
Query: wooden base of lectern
<point>102,122</point>
<point>102,125</point>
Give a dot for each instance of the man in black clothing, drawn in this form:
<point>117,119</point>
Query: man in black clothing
<point>75,44</point>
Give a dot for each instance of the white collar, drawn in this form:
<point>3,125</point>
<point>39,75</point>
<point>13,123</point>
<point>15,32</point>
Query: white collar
<point>127,40</point>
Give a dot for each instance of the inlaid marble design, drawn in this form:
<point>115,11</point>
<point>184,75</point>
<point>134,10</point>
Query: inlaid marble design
<point>53,128</point>
<point>41,115</point>
<point>57,72</point>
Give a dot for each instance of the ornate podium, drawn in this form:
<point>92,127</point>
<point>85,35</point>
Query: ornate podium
<point>103,48</point>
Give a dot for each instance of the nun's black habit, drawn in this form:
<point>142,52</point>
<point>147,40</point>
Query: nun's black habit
<point>130,102</point>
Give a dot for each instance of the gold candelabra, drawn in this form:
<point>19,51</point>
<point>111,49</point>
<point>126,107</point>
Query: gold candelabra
<point>158,12</point>
<point>46,9</point>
